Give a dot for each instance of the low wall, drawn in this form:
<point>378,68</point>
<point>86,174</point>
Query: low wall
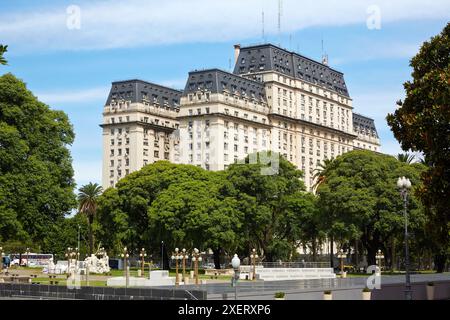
<point>387,292</point>
<point>274,274</point>
<point>39,291</point>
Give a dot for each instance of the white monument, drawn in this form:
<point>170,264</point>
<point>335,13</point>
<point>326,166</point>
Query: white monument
<point>156,279</point>
<point>97,265</point>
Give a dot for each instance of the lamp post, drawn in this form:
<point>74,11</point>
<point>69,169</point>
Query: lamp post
<point>404,185</point>
<point>142,255</point>
<point>253,257</point>
<point>185,257</point>
<point>27,253</point>
<point>236,263</point>
<point>342,255</point>
<point>162,255</point>
<point>176,256</point>
<point>125,257</point>
<point>196,257</point>
<point>379,256</point>
<point>68,255</point>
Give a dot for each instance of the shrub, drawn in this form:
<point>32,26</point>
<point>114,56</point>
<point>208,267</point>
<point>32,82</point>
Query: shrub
<point>279,295</point>
<point>366,290</point>
<point>431,284</point>
<point>327,292</point>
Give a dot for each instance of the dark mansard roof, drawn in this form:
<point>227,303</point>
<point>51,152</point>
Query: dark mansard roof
<point>268,57</point>
<point>218,81</point>
<point>137,90</point>
<point>364,125</point>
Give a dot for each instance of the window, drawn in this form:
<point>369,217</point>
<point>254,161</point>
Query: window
<point>112,142</point>
<point>156,154</point>
<point>235,148</point>
<point>111,163</point>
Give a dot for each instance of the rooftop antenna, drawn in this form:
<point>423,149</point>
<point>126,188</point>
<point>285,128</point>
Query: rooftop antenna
<point>280,13</point>
<point>229,64</point>
<point>263,31</point>
<point>324,56</point>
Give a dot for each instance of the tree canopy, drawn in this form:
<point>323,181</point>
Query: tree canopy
<point>36,175</point>
<point>360,200</point>
<point>422,123</point>
<point>3,49</point>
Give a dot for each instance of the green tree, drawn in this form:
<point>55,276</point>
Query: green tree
<point>405,157</point>
<point>87,204</point>
<point>124,211</point>
<point>36,175</point>
<point>194,214</point>
<point>264,200</point>
<point>422,123</point>
<point>320,173</point>
<point>64,234</point>
<point>360,192</point>
<point>3,50</point>
<point>320,177</point>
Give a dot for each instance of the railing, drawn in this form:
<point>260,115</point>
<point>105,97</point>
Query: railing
<point>298,264</point>
<point>190,295</point>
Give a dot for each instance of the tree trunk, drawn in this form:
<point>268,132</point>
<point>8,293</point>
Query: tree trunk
<point>371,252</point>
<point>216,254</point>
<point>314,250</point>
<point>439,262</point>
<point>332,252</point>
<point>393,255</point>
<point>357,254</point>
<point>91,237</point>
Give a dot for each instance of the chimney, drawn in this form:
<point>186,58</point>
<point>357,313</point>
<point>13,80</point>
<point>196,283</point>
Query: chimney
<point>237,50</point>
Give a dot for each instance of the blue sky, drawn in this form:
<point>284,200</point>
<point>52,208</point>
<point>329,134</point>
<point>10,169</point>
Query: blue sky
<point>71,69</point>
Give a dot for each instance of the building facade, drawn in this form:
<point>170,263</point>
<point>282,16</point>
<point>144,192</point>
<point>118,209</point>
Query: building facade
<point>274,100</point>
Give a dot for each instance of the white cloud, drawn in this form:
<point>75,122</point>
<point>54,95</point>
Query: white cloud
<point>78,96</point>
<point>134,23</point>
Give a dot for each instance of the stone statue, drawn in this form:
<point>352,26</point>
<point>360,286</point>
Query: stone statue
<point>97,265</point>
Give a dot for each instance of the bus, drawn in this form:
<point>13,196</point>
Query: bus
<point>30,260</point>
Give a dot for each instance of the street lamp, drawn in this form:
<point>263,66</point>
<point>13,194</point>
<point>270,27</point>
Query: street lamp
<point>404,185</point>
<point>235,263</point>
<point>379,256</point>
<point>253,257</point>
<point>125,257</point>
<point>176,256</point>
<point>185,257</point>
<point>68,255</point>
<point>196,257</point>
<point>142,255</point>
<point>342,255</point>
<point>28,253</point>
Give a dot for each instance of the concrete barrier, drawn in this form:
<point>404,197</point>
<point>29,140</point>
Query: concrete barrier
<point>274,274</point>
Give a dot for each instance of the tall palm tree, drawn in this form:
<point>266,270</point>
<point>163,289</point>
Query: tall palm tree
<point>320,174</point>
<point>87,199</point>
<point>405,157</point>
<point>3,49</point>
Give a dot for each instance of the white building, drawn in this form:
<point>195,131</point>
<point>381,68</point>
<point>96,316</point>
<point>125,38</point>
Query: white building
<point>274,100</point>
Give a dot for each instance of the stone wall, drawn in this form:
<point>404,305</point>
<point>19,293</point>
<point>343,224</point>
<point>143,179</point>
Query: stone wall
<point>39,291</point>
